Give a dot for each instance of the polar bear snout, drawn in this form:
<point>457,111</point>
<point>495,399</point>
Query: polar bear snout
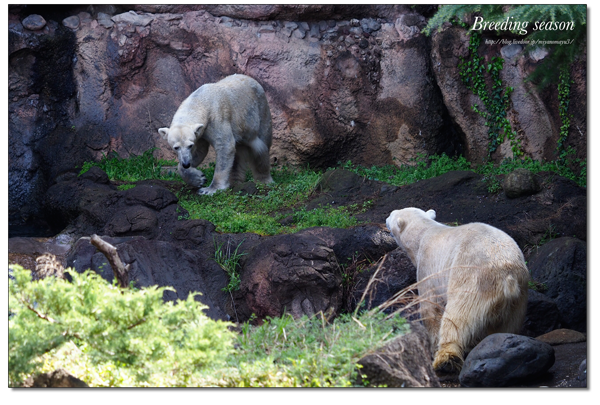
<point>185,165</point>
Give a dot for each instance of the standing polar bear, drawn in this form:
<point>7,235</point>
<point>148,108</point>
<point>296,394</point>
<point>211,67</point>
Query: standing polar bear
<point>233,117</point>
<point>472,282</point>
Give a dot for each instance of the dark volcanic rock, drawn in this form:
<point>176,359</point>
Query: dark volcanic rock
<point>161,263</point>
<point>297,274</point>
<point>561,266</point>
<point>504,359</point>
<point>91,204</point>
<point>542,314</point>
<point>519,183</point>
<point>462,197</point>
<point>404,362</point>
<point>393,273</point>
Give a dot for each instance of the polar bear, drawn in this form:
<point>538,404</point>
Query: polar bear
<point>472,282</point>
<point>233,117</point>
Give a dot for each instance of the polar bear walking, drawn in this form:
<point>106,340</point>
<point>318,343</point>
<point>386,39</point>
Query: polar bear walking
<point>233,117</point>
<point>472,282</point>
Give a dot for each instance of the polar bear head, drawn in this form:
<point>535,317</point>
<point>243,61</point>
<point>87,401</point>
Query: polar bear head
<point>399,220</point>
<point>182,139</point>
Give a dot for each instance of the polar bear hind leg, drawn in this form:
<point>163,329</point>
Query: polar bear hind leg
<point>494,305</point>
<point>259,162</point>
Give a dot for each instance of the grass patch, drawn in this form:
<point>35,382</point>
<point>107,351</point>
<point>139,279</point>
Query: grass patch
<point>133,168</point>
<point>420,168</point>
<point>280,207</point>
<point>272,210</point>
<point>424,167</point>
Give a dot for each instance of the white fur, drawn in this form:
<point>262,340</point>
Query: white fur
<point>472,281</point>
<point>233,117</point>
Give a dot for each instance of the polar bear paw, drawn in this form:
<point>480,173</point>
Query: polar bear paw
<point>207,191</point>
<point>447,362</point>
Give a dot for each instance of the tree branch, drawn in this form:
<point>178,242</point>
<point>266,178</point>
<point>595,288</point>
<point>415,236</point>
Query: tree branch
<point>120,270</point>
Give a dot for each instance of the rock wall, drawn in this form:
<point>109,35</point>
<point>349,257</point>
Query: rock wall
<point>343,82</point>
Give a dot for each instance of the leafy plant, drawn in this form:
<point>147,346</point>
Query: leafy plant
<point>129,330</point>
<point>564,90</point>
<point>495,100</point>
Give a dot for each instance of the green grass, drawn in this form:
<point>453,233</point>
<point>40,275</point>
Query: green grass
<point>274,209</point>
<point>83,327</point>
<point>420,168</point>
<point>281,207</point>
<point>134,168</point>
<point>307,352</point>
<point>230,263</point>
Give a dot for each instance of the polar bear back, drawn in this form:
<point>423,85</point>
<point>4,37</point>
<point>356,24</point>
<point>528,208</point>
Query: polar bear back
<point>473,244</point>
<point>441,252</point>
<point>237,100</point>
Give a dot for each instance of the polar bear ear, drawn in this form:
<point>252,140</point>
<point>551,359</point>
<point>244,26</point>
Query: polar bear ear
<point>431,214</point>
<point>197,128</point>
<point>164,132</point>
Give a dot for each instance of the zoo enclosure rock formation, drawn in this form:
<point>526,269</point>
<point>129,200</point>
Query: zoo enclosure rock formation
<point>343,82</point>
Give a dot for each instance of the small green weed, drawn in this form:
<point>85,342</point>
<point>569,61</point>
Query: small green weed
<point>124,187</point>
<point>230,262</point>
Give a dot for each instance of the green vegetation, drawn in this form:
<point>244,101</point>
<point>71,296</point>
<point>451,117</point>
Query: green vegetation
<point>561,56</point>
<point>126,336</point>
<point>281,207</point>
<point>109,336</point>
<point>275,208</point>
<point>564,90</point>
<point>310,352</point>
<point>420,168</point>
<point>496,100</point>
<point>230,263</point>
<point>133,168</point>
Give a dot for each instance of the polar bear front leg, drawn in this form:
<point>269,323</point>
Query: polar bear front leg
<point>225,156</point>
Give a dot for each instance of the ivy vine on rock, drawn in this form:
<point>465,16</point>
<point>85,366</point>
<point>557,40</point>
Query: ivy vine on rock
<point>496,100</point>
<point>564,90</point>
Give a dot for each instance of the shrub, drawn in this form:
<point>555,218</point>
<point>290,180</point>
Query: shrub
<point>144,340</point>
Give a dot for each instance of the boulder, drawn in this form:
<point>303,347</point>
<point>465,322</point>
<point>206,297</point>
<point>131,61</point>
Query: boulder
<point>34,22</point>
<point>384,278</point>
<point>561,266</point>
<point>163,264</point>
<point>404,362</point>
<point>520,182</point>
<point>562,336</point>
<point>542,314</point>
<point>297,274</point>
<point>504,359</point>
<point>91,204</point>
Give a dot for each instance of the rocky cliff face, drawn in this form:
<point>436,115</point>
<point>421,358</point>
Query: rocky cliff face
<point>343,82</point>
